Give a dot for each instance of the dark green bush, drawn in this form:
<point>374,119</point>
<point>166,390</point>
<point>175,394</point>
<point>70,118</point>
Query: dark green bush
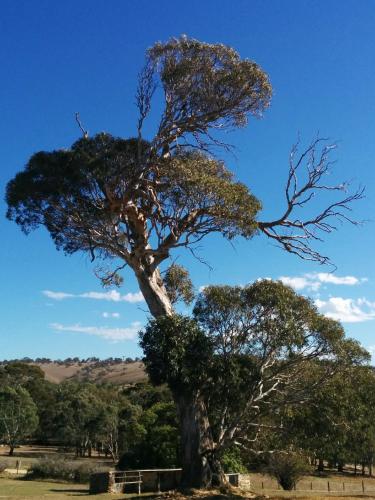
<point>287,469</point>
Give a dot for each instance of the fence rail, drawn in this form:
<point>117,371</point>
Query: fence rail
<point>320,486</point>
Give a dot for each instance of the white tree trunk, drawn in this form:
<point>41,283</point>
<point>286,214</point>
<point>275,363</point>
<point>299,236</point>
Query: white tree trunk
<point>154,292</point>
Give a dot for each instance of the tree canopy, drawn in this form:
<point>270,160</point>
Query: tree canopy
<point>137,200</point>
<point>248,353</point>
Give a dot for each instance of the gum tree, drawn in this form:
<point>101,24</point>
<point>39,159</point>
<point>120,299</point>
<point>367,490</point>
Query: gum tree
<point>247,354</point>
<point>18,416</point>
<point>135,200</point>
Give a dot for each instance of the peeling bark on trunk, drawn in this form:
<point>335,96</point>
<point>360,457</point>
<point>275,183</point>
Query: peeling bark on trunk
<point>154,292</point>
<point>200,467</point>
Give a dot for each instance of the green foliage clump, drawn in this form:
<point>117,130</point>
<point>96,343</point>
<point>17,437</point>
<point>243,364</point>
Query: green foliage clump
<point>208,83</point>
<point>178,284</point>
<point>153,440</point>
<point>231,461</point>
<point>176,352</point>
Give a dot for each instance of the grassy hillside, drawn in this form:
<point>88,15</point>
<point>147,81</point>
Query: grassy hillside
<point>94,371</point>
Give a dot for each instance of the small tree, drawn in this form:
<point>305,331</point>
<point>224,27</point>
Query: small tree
<point>18,416</point>
<point>287,469</point>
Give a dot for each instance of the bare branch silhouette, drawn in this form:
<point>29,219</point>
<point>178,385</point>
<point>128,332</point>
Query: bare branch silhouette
<point>294,234</point>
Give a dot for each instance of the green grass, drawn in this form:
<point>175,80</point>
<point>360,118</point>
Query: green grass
<point>19,490</point>
<point>15,489</point>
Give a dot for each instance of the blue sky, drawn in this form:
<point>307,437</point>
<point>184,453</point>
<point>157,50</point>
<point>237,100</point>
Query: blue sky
<point>61,57</point>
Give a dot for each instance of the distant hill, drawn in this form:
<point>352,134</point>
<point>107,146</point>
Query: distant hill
<point>99,371</point>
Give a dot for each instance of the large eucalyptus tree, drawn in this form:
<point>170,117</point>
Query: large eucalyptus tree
<point>138,199</point>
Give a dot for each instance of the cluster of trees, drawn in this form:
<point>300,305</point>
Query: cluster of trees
<point>245,354</point>
<point>139,422</point>
<point>138,426</point>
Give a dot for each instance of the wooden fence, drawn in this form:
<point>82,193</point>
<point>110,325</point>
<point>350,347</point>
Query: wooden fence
<point>319,486</point>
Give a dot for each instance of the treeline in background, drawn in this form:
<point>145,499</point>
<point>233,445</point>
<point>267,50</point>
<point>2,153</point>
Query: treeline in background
<point>136,426</point>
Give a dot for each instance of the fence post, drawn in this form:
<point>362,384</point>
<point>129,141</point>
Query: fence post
<point>343,486</point>
<point>158,481</point>
<point>311,486</point>
<point>262,485</point>
<point>363,486</point>
<point>329,487</point>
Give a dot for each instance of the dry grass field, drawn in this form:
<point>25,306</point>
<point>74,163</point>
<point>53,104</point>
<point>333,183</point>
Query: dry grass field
<point>332,484</point>
<point>117,373</point>
<point>26,455</point>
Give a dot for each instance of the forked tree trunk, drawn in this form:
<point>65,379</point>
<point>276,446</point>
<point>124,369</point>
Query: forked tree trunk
<point>200,466</point>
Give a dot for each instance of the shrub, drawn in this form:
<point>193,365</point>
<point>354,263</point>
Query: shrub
<point>3,466</point>
<point>231,461</point>
<point>83,472</point>
<point>58,467</point>
<point>287,469</point>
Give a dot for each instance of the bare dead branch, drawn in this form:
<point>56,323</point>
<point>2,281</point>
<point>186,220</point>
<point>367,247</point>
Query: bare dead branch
<point>85,132</point>
<point>295,234</point>
<point>145,91</point>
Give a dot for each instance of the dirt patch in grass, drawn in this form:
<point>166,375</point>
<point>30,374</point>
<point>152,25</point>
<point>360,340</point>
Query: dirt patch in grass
<point>236,494</point>
<point>227,493</point>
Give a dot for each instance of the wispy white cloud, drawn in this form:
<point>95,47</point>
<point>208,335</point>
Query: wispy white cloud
<point>300,282</point>
<point>113,334</point>
<point>338,280</point>
<point>57,295</point>
<point>111,315</point>
<point>314,281</point>
<point>347,310</point>
<point>112,296</point>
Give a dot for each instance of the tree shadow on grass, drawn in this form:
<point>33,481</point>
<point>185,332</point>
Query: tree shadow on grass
<point>78,492</point>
